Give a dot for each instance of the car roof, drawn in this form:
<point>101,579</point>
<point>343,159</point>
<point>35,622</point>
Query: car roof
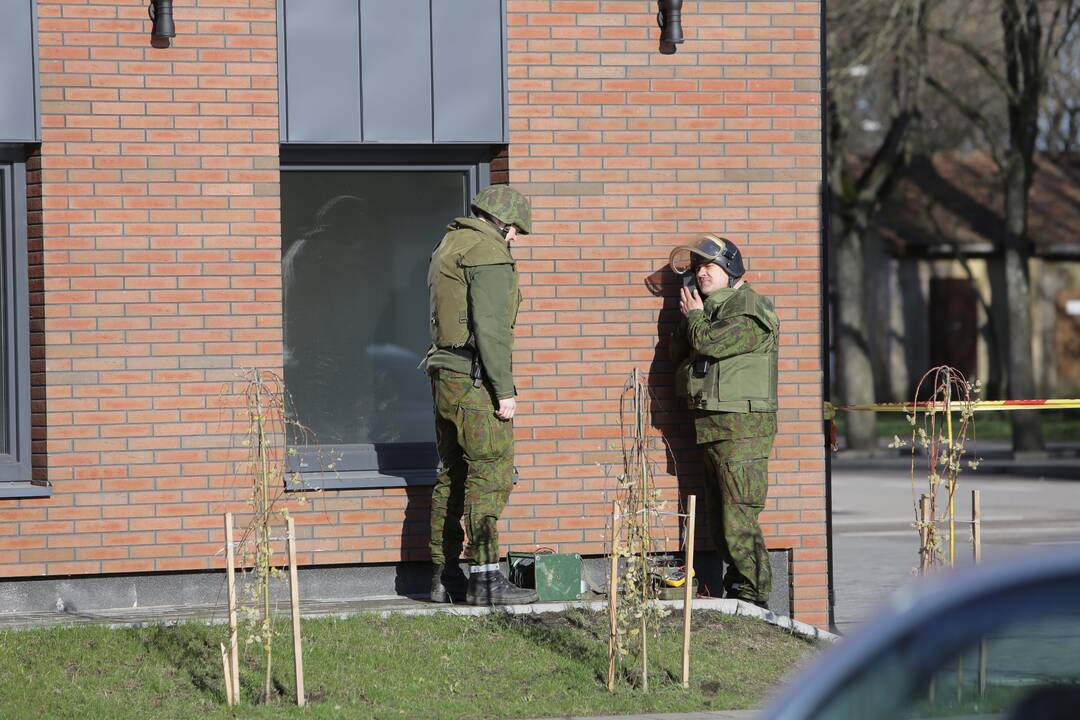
<point>915,615</point>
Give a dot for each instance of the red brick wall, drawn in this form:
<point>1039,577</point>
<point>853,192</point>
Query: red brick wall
<point>155,273</point>
<point>155,265</point>
<point>625,153</point>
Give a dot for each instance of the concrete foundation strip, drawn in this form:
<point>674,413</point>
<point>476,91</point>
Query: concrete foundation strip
<point>725,606</point>
<point>383,606</point>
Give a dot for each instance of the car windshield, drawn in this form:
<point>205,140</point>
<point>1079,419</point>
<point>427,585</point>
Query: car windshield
<point>1010,658</point>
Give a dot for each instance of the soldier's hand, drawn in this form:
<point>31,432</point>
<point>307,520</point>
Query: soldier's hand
<point>689,300</point>
<point>507,408</point>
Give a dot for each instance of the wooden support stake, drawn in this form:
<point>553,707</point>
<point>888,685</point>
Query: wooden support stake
<point>982,667</point>
<point>924,533</point>
<point>644,654</point>
<point>643,518</point>
<point>294,599</point>
<point>952,482</point>
<point>688,596</point>
<point>976,550</point>
<point>613,598</point>
<point>230,572</point>
<point>228,674</point>
<point>976,526</point>
<point>960,680</point>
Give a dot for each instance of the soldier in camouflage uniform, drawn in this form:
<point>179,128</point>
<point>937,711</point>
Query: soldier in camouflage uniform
<point>474,296</point>
<point>726,351</point>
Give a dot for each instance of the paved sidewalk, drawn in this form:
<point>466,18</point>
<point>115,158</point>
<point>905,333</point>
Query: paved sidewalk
<point>1028,503</point>
<point>1059,460</point>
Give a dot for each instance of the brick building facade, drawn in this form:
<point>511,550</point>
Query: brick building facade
<point>155,240</point>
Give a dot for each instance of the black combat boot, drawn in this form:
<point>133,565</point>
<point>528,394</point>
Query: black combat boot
<point>448,584</point>
<point>491,588</point>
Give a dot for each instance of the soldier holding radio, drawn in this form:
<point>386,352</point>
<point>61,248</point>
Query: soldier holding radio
<point>726,350</point>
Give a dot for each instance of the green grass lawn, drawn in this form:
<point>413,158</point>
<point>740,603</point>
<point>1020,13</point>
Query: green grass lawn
<point>1057,425</point>
<point>440,666</point>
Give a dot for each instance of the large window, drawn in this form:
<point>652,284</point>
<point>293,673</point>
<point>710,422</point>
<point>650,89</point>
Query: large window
<point>15,472</point>
<point>355,249</point>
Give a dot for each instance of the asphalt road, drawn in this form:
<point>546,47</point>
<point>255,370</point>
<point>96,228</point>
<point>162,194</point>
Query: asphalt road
<point>875,545</point>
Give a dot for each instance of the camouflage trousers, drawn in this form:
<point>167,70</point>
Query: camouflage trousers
<point>477,474</point>
<point>736,484</point>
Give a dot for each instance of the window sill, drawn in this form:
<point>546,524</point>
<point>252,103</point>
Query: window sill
<point>359,480</point>
<point>24,490</point>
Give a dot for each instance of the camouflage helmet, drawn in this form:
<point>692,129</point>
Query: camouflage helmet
<point>708,249</point>
<point>506,205</point>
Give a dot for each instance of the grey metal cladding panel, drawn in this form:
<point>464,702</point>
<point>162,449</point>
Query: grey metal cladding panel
<point>322,65</point>
<point>395,61</point>
<point>17,97</point>
<point>469,70</point>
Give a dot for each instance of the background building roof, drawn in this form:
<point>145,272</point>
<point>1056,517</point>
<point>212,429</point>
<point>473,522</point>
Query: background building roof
<point>952,199</point>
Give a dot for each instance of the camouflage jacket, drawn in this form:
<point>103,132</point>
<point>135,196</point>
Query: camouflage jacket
<point>722,338</point>
<point>489,306</point>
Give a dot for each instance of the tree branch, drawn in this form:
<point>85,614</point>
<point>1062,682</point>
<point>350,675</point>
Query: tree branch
<point>1072,20</point>
<point>887,162</point>
<point>976,118</point>
<point>981,60</point>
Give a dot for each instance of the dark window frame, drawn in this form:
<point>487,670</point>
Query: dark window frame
<point>308,467</point>
<point>16,473</point>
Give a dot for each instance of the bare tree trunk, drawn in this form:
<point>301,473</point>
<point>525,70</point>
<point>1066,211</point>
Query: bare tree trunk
<point>1026,426</point>
<point>1026,61</point>
<point>856,368</point>
<point>1028,49</point>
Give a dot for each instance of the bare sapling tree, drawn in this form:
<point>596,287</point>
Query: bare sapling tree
<point>640,532</point>
<point>269,421</point>
<point>942,418</point>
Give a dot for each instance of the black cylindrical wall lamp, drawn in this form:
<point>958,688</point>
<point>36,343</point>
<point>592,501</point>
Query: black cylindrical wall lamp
<point>670,21</point>
<point>161,16</point>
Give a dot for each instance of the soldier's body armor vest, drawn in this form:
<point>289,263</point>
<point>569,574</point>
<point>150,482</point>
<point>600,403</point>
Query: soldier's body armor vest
<point>741,383</point>
<point>469,242</point>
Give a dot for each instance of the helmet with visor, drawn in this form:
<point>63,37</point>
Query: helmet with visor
<point>708,249</point>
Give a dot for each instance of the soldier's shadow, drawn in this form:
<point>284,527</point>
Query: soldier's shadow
<point>668,417</point>
<point>412,576</point>
<point>672,421</point>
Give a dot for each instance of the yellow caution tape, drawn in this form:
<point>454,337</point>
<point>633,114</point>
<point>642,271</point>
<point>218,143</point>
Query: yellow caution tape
<point>957,406</point>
